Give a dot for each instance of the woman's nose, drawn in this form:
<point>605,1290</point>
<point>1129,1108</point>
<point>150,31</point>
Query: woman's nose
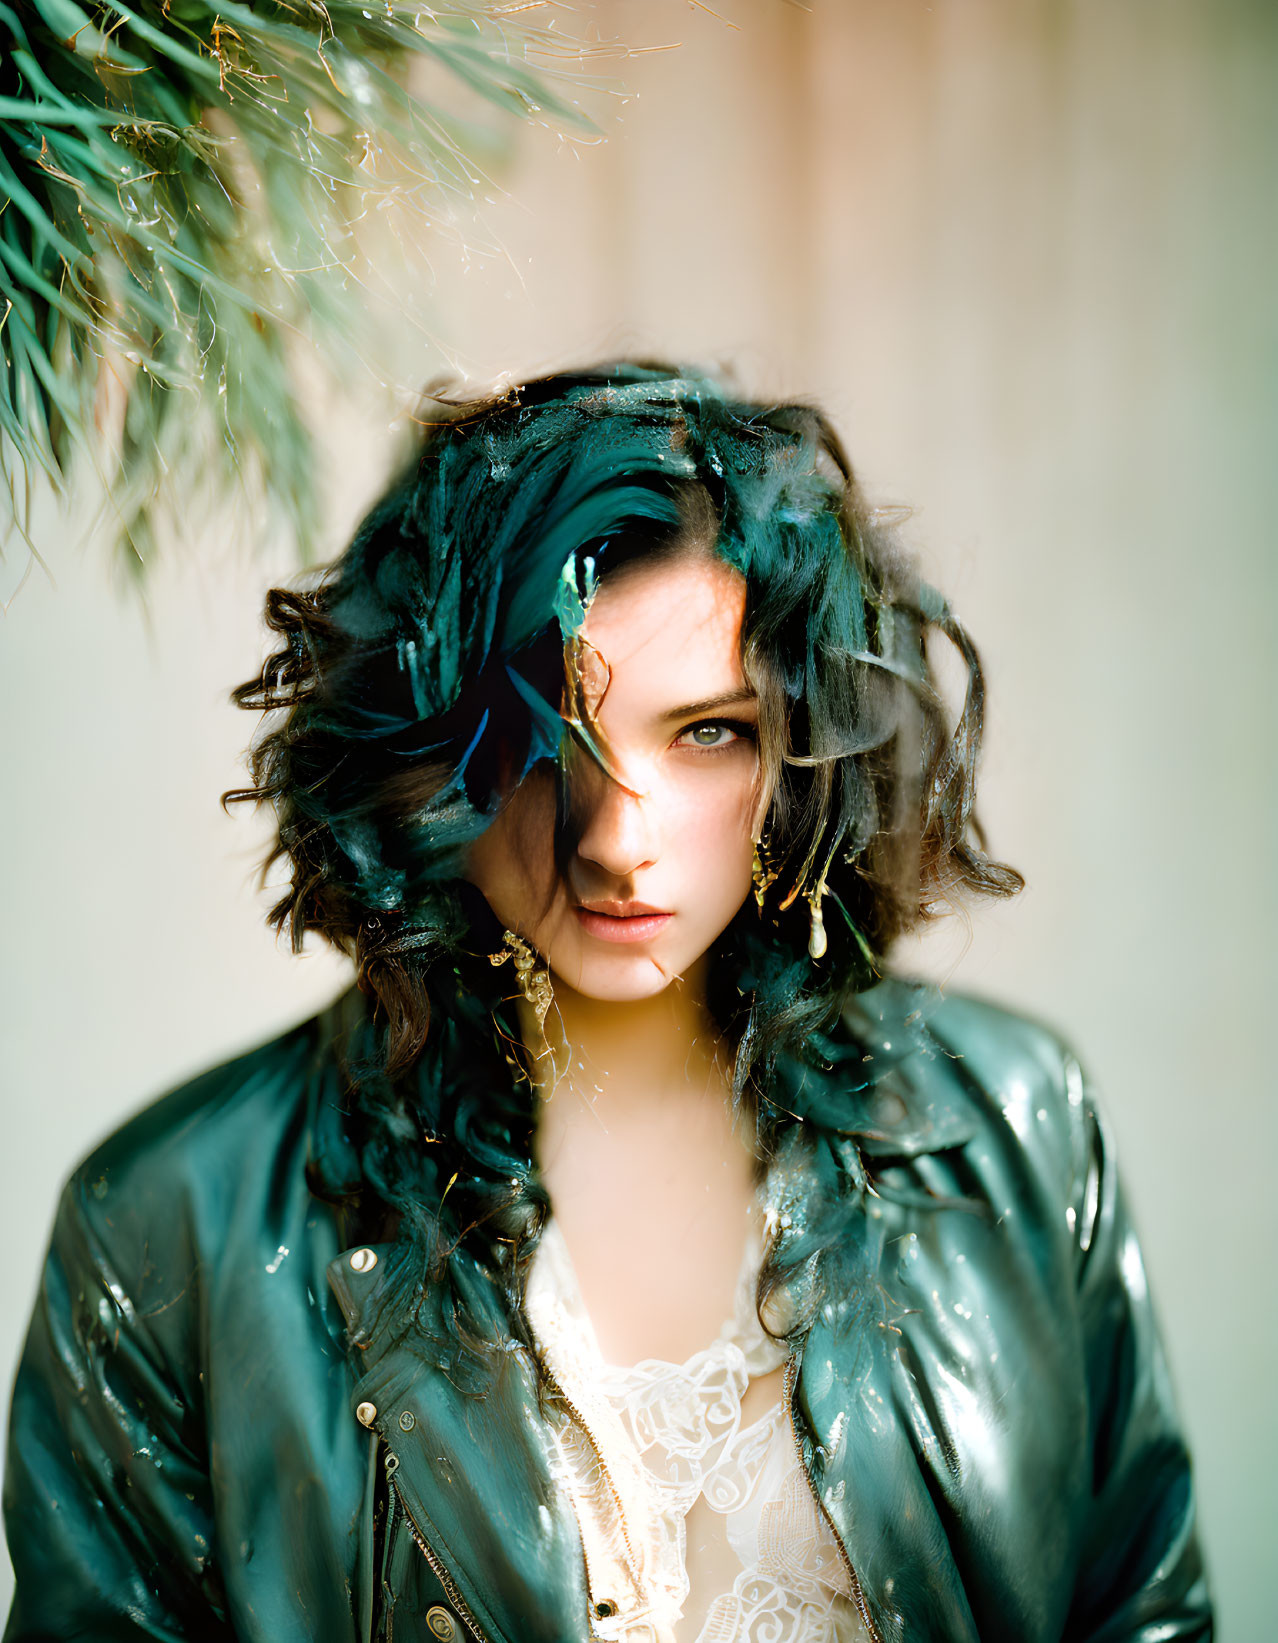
<point>619,832</point>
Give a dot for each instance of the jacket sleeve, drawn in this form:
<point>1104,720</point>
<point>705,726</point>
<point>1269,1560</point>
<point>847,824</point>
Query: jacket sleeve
<point>107,1497</point>
<point>1142,1578</point>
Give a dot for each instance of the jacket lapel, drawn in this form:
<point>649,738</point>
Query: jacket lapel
<point>868,1474</point>
<point>869,1444</point>
<point>472,1456</point>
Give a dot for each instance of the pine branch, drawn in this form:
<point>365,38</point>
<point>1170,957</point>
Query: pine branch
<point>179,182</point>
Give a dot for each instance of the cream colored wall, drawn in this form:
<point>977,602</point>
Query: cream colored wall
<point>1024,253</point>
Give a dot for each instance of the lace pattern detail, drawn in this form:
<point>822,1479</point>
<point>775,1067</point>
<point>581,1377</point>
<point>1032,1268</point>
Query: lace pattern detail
<point>670,1435</point>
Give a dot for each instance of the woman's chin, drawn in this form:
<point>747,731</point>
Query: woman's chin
<point>623,977</point>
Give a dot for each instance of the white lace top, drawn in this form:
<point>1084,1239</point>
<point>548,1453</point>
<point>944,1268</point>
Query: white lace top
<point>708,1519</point>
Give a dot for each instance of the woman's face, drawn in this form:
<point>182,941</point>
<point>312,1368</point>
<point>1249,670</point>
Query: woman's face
<point>660,870</point>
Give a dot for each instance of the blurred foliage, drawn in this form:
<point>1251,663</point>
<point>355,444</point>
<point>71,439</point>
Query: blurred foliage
<point>181,180</point>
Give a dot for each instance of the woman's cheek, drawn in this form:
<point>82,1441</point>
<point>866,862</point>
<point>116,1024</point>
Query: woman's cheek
<point>715,856</point>
<point>714,817</point>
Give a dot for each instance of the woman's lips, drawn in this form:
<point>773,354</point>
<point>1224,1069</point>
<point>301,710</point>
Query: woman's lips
<point>614,927</point>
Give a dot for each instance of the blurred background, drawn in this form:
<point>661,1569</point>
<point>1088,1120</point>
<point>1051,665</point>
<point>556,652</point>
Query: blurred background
<point>1024,252</point>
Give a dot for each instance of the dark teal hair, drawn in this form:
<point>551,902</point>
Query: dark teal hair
<point>435,654</point>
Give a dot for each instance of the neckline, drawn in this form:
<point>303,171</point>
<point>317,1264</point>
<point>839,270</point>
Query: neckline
<point>554,1304</point>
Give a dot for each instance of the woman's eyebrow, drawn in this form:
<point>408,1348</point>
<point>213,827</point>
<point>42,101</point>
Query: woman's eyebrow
<point>729,698</point>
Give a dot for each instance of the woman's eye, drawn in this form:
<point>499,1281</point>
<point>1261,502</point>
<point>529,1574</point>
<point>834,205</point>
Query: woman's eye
<point>714,734</point>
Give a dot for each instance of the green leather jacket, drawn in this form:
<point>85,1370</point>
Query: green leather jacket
<point>219,1431</point>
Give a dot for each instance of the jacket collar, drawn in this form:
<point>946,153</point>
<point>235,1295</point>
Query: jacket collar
<point>892,1087</point>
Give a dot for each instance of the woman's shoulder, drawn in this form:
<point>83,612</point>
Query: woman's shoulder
<point>201,1115</point>
<point>995,1043</point>
<point>946,1068</point>
<point>193,1152</point>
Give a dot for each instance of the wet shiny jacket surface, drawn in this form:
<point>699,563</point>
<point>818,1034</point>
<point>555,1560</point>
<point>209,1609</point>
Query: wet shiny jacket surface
<point>222,1430</point>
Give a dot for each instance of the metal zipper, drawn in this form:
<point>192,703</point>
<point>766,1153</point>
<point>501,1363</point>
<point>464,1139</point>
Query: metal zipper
<point>440,1572</point>
<point>580,1419</point>
<point>394,1512</point>
<point>791,1378</point>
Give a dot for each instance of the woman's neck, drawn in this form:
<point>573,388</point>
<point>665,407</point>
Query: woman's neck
<point>650,1173</point>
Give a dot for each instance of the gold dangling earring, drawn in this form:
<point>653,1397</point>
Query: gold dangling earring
<point>531,975</point>
<point>816,938</point>
<point>761,873</point>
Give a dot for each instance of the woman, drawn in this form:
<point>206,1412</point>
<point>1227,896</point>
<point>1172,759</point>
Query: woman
<point>626,1257</point>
